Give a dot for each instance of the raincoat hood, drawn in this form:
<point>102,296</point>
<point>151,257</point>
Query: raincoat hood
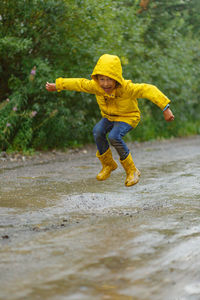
<point>110,66</point>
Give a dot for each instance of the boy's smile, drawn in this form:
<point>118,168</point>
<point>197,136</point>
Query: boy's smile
<point>106,83</point>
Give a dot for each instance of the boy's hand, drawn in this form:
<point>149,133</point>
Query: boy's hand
<point>51,87</point>
<point>168,115</point>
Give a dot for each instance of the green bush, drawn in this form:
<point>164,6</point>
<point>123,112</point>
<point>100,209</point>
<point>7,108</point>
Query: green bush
<point>65,38</point>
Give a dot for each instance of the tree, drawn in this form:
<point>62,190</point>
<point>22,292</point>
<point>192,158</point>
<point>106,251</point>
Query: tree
<point>53,38</point>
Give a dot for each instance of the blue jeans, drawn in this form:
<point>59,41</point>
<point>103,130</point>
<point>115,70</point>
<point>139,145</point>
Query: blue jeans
<point>117,131</point>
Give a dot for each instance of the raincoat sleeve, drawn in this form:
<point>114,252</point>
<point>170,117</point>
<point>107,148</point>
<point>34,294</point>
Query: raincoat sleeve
<point>76,84</point>
<point>150,92</point>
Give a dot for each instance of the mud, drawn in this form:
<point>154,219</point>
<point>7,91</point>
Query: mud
<point>64,235</point>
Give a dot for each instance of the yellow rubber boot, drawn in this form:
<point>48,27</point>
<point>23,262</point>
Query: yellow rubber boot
<point>131,171</point>
<point>108,164</point>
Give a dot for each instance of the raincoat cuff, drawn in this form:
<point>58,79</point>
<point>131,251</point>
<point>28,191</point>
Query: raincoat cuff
<point>166,107</point>
<point>59,86</point>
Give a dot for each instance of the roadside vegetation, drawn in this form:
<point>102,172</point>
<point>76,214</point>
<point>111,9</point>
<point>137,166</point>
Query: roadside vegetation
<point>40,40</point>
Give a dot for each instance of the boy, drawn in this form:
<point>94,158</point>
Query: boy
<point>117,100</point>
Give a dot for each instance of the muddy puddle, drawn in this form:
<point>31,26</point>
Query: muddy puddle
<point>64,235</point>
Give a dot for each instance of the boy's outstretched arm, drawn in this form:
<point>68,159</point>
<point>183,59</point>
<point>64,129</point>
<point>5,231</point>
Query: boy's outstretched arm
<point>168,115</point>
<point>51,87</point>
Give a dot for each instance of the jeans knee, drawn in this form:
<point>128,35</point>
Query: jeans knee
<point>114,140</point>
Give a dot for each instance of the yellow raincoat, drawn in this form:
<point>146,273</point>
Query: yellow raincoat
<point>122,104</point>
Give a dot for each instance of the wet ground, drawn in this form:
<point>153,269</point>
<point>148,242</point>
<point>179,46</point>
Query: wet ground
<point>64,235</point>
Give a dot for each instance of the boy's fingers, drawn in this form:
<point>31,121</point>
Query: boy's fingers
<point>171,118</point>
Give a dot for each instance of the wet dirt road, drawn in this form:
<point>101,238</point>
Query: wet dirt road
<point>64,235</point>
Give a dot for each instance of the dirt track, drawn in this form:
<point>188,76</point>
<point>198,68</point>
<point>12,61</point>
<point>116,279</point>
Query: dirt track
<point>64,235</point>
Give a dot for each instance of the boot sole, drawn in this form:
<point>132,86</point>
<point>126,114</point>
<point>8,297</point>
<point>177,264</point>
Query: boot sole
<point>135,182</point>
<point>130,184</point>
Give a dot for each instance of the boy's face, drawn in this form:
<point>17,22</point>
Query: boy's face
<point>106,83</point>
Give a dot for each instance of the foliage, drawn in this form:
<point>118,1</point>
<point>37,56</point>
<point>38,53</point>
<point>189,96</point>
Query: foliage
<point>41,40</point>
